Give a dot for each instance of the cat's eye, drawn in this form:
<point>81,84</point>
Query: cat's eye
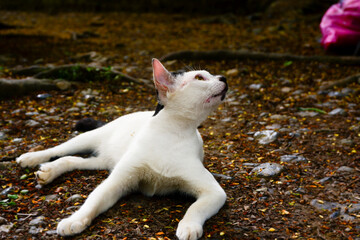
<point>199,77</point>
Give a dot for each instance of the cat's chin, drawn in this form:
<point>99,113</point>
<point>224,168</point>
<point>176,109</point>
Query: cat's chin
<point>221,96</point>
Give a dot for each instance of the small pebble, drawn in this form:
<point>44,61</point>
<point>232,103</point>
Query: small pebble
<point>307,114</point>
<point>6,228</point>
<point>17,140</point>
<point>39,221</point>
<point>3,136</point>
<point>324,205</point>
<point>35,230</point>
<point>293,158</point>
<point>279,117</point>
<point>6,191</point>
<point>43,96</point>
<point>74,198</point>
<point>273,126</point>
<point>337,111</point>
<point>346,142</point>
<point>255,86</point>
<point>325,179</point>
<point>266,136</point>
<point>32,123</point>
<point>345,169</point>
<point>232,72</point>
<point>267,170</point>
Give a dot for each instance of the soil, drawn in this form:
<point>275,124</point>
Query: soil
<point>256,208</point>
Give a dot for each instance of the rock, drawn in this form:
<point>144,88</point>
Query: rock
<point>267,170</point>
<point>232,72</point>
<point>43,95</point>
<point>273,126</point>
<point>74,198</point>
<point>221,176</point>
<point>36,148</point>
<point>6,191</point>
<point>30,114</point>
<point>7,165</point>
<point>17,140</point>
<point>301,190</point>
<point>324,180</point>
<point>3,136</point>
<point>89,97</point>
<point>347,142</point>
<point>72,208</point>
<point>50,197</point>
<point>80,104</point>
<point>6,228</point>
<point>3,220</point>
<point>243,96</point>
<point>51,232</point>
<point>53,118</point>
<point>324,205</point>
<point>266,136</point>
<point>337,111</point>
<point>73,109</point>
<point>347,217</point>
<point>336,94</point>
<point>32,123</point>
<point>39,221</point>
<point>297,92</point>
<point>90,91</point>
<point>62,84</point>
<point>262,189</point>
<point>286,89</point>
<point>335,214</point>
<point>343,93</point>
<point>294,134</point>
<point>305,114</point>
<point>255,86</point>
<point>250,165</point>
<point>355,208</point>
<point>34,230</point>
<point>279,117</point>
<point>223,120</point>
<point>345,169</point>
<point>292,158</point>
<point>355,128</point>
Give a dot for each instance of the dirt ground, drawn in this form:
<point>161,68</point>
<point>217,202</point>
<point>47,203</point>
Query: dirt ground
<point>287,99</point>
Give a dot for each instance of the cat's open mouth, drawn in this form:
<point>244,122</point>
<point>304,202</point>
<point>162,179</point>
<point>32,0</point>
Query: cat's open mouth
<point>222,93</point>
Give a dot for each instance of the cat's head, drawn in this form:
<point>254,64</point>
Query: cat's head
<point>194,94</point>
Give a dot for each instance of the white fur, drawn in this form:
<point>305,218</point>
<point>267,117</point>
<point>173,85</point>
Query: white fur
<point>155,155</point>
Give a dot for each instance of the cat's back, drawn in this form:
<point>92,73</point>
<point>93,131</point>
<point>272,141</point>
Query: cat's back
<point>118,134</point>
<point>128,123</point>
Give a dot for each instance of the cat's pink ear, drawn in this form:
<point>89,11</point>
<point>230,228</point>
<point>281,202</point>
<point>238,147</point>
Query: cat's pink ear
<point>163,80</point>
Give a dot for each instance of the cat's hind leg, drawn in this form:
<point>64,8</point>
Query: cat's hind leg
<point>85,142</point>
<point>51,170</point>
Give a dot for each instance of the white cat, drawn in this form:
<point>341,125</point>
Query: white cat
<point>154,153</point>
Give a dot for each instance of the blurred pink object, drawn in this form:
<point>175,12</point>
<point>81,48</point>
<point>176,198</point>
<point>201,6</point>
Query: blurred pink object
<point>340,25</point>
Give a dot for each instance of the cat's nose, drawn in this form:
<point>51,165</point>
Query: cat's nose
<point>222,79</point>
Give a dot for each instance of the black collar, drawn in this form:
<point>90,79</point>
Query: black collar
<point>159,107</point>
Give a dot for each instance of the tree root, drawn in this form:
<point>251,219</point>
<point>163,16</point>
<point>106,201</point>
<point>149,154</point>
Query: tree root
<point>17,87</point>
<point>46,78</point>
<point>243,54</point>
<point>342,82</point>
<point>85,73</point>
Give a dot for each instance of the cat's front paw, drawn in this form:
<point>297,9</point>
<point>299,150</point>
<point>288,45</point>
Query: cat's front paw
<point>32,159</point>
<point>46,174</point>
<point>189,230</point>
<point>71,226</point>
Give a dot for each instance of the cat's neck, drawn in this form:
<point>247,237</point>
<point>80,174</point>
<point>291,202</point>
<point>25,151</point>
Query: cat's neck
<point>177,121</point>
